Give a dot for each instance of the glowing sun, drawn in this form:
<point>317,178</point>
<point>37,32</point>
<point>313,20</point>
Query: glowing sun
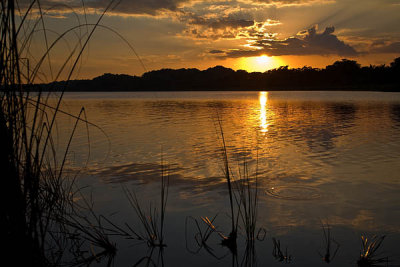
<point>263,60</point>
<point>260,63</point>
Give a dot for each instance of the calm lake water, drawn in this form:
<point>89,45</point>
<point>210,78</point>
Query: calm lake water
<point>321,158</point>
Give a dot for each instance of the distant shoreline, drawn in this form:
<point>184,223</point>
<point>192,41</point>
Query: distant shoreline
<point>371,88</point>
<point>343,75</point>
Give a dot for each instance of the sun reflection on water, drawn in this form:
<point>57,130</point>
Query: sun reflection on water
<point>263,98</point>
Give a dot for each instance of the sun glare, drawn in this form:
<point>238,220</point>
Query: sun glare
<point>263,60</point>
<point>263,98</point>
<point>261,63</point>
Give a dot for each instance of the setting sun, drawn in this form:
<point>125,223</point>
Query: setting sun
<point>263,60</point>
<point>261,63</point>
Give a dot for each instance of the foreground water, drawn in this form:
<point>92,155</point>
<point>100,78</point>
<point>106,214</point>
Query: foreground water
<point>321,158</point>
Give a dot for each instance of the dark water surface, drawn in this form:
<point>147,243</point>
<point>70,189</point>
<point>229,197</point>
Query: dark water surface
<point>321,157</point>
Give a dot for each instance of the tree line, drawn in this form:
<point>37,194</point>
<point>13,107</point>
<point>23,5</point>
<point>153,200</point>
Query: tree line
<point>344,74</point>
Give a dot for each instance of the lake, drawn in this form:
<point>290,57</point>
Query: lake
<point>325,162</point>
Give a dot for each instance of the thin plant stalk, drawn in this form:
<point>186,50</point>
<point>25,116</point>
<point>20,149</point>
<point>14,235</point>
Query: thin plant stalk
<point>229,241</point>
<point>152,221</point>
<point>36,195</point>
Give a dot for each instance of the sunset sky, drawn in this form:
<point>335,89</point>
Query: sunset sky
<point>251,35</point>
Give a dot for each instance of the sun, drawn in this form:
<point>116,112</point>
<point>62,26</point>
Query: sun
<point>261,63</point>
<point>263,60</point>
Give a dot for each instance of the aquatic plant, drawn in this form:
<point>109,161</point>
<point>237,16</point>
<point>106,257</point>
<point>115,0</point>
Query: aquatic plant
<point>37,195</point>
<point>249,257</point>
<point>243,207</point>
<point>248,204</point>
<point>203,236</point>
<point>91,233</point>
<point>148,259</point>
<point>278,254</point>
<point>328,242</point>
<point>243,196</point>
<point>230,240</point>
<point>152,221</point>
<point>368,254</point>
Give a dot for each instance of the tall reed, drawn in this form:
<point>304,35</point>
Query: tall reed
<point>329,241</point>
<point>229,241</point>
<point>151,221</point>
<point>36,194</point>
<point>243,196</point>
<point>248,196</point>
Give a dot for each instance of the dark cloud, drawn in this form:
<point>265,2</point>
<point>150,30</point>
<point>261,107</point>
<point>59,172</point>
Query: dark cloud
<point>217,23</point>
<point>292,2</point>
<point>216,52</point>
<point>226,27</point>
<point>150,7</point>
<point>305,43</point>
<point>383,47</point>
<point>140,6</point>
<point>230,23</point>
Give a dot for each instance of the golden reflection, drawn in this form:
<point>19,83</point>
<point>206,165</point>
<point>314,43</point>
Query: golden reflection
<point>263,97</point>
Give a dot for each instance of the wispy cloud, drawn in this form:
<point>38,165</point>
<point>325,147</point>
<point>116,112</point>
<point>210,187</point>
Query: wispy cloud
<point>131,7</point>
<point>288,3</point>
<point>386,47</point>
<point>199,27</point>
<point>150,7</point>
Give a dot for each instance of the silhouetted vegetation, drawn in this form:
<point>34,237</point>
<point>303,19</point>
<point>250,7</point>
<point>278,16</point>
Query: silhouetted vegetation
<point>329,243</point>
<point>278,254</point>
<point>342,75</point>
<point>43,223</point>
<point>368,254</point>
<point>152,221</point>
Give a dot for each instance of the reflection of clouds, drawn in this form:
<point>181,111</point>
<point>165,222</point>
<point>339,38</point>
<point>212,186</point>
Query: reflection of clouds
<point>395,114</point>
<point>148,173</point>
<point>315,124</point>
<point>364,219</point>
<point>344,113</point>
<point>365,207</point>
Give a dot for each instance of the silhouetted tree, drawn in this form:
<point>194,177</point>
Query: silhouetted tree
<point>395,64</point>
<point>344,74</point>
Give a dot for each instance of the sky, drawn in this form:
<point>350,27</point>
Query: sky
<point>142,35</point>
